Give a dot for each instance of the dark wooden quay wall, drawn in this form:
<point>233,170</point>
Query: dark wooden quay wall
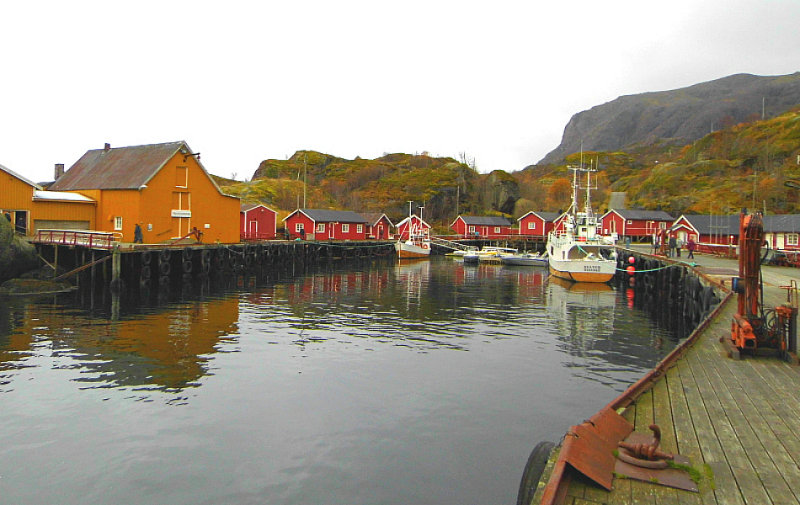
<point>671,292</point>
<point>143,271</point>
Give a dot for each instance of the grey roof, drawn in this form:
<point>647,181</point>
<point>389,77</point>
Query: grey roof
<point>547,216</point>
<point>339,216</point>
<point>486,220</point>
<point>373,217</point>
<point>706,224</point>
<point>729,225</point>
<point>782,223</point>
<point>120,167</point>
<point>654,215</point>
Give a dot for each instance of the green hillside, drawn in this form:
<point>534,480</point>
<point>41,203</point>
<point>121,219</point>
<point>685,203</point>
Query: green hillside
<point>444,186</point>
<point>743,165</point>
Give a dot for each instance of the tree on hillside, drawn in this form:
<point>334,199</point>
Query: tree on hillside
<point>559,194</point>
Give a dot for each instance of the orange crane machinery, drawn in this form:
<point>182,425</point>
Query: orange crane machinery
<point>753,327</point>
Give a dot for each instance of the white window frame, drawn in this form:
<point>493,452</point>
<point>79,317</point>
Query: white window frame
<point>320,227</point>
<point>299,227</point>
<point>497,230</point>
<point>471,228</point>
<point>186,176</point>
<point>117,223</point>
<point>792,239</point>
<point>531,225</point>
<point>345,228</point>
<point>359,228</point>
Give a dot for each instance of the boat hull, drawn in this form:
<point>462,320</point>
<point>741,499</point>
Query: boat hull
<point>525,261</point>
<point>583,271</point>
<point>407,251</point>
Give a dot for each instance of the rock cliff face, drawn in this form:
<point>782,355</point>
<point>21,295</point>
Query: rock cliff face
<point>678,116</point>
<point>16,255</point>
<point>502,192</point>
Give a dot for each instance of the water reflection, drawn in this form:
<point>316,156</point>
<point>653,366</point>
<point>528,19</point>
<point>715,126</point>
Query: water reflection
<point>420,382</point>
<point>159,349</point>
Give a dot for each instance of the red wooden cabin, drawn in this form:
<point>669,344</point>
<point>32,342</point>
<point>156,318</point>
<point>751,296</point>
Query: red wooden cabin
<point>257,222</point>
<point>636,224</point>
<point>319,224</point>
<point>379,226</point>
<point>537,224</point>
<point>481,226</point>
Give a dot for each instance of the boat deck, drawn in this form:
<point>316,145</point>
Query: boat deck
<point>735,420</point>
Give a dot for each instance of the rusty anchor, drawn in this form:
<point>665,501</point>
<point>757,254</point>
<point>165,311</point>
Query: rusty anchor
<point>645,455</point>
<point>639,457</point>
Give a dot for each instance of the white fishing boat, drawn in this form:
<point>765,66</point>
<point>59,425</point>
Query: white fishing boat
<point>576,250</point>
<point>417,242</point>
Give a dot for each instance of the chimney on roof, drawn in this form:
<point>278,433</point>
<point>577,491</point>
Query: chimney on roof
<point>107,147</point>
<point>59,171</point>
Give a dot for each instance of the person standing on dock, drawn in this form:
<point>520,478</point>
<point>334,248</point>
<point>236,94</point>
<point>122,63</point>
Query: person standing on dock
<point>138,237</point>
<point>672,245</point>
<point>690,246</point>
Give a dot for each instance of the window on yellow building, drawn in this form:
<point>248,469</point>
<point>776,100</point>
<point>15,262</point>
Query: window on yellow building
<point>182,177</point>
<point>118,223</point>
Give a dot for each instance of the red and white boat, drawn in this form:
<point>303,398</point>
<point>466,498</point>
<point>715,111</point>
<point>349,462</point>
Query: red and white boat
<point>417,242</point>
<point>579,253</point>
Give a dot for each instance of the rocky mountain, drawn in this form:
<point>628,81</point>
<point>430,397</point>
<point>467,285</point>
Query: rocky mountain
<point>677,117</point>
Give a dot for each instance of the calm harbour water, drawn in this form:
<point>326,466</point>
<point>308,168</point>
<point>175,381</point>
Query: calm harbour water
<point>423,383</point>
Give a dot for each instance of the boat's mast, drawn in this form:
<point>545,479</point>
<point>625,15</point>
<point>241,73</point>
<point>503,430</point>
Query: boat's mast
<point>588,209</point>
<point>575,188</point>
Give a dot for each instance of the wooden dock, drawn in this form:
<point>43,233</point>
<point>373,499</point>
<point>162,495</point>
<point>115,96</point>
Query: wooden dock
<point>737,421</point>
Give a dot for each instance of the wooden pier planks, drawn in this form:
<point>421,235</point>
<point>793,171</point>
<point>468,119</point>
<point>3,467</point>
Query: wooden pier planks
<point>739,417</point>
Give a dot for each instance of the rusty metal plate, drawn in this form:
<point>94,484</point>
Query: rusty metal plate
<point>670,477</point>
<point>589,447</point>
<point>611,425</point>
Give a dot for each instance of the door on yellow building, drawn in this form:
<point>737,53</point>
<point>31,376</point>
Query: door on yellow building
<point>181,213</point>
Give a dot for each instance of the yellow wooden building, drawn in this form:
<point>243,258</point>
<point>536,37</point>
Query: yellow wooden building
<point>31,208</point>
<point>162,187</point>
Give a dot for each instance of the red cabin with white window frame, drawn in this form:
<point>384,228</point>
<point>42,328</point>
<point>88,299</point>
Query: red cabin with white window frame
<point>537,224</point>
<point>320,224</point>
<point>481,226</point>
<point>636,224</point>
<point>257,222</point>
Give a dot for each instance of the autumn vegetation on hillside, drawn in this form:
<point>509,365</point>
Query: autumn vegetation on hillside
<point>742,165</point>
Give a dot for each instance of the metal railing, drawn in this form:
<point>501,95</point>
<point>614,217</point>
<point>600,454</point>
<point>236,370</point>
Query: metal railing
<point>85,238</point>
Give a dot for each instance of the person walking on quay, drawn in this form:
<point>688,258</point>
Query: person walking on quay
<point>690,246</point>
<point>138,237</point>
<point>672,245</point>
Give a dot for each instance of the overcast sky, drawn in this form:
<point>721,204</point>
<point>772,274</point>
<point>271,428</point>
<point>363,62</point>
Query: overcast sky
<point>246,81</point>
